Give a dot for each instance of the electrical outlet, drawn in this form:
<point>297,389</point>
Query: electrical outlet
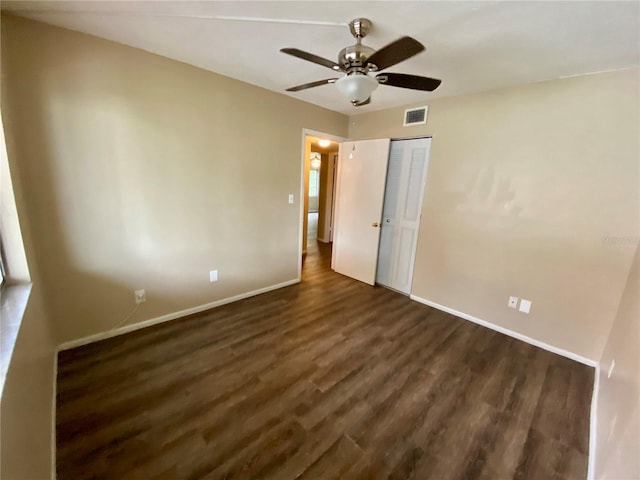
<point>291,199</point>
<point>140,296</point>
<point>611,367</point>
<point>513,302</point>
<point>213,276</point>
<point>525,305</point>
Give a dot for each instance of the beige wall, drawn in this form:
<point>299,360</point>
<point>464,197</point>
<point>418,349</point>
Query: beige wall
<point>524,185</point>
<point>618,403</point>
<point>143,172</point>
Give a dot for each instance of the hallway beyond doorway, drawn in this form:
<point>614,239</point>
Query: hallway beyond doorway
<point>312,229</point>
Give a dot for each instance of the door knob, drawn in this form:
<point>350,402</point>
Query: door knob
<point>374,224</point>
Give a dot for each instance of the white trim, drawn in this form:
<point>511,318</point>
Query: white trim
<point>593,426</point>
<point>506,331</point>
<point>53,415</point>
<point>301,202</point>
<point>170,316</point>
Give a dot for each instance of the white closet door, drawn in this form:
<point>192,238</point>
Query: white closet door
<point>404,193</point>
<point>362,170</point>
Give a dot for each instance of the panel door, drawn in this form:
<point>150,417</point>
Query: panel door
<point>404,193</point>
<point>362,170</point>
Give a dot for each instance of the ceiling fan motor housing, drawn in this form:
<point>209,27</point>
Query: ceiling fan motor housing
<point>355,57</point>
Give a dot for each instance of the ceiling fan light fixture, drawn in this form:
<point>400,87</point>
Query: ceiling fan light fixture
<point>357,87</point>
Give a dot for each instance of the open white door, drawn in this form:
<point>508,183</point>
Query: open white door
<point>362,172</point>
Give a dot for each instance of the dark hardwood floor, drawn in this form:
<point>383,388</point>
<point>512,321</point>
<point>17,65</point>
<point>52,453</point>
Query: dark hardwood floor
<point>328,379</point>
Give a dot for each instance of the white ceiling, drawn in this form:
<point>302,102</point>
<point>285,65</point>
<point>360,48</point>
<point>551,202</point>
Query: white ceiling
<point>471,46</point>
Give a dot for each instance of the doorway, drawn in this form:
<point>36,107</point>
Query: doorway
<point>320,153</point>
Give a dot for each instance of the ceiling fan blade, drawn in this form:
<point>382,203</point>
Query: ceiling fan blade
<point>311,85</point>
<point>310,57</point>
<point>366,102</point>
<point>413,82</point>
<point>396,52</point>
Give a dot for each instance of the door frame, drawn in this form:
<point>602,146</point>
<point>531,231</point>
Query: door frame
<point>311,133</point>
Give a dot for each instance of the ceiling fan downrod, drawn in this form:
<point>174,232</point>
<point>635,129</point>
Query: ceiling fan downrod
<point>353,58</point>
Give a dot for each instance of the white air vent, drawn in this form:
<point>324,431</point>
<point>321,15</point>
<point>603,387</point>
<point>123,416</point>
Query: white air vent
<point>415,116</point>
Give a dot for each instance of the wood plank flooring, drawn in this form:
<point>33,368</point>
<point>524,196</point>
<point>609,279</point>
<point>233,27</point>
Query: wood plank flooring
<point>328,379</point>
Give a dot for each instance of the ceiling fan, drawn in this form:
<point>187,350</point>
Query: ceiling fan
<point>358,60</point>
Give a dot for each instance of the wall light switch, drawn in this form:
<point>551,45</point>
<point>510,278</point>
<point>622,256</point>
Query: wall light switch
<point>213,276</point>
<point>525,306</point>
<point>290,198</point>
<point>513,302</point>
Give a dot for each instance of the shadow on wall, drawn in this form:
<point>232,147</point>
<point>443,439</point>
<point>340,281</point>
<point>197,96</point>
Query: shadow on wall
<point>54,210</point>
<point>111,204</point>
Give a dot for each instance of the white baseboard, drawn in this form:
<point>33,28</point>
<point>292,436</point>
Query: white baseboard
<point>506,331</point>
<point>593,426</point>
<point>593,421</point>
<point>170,316</point>
<point>53,415</point>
